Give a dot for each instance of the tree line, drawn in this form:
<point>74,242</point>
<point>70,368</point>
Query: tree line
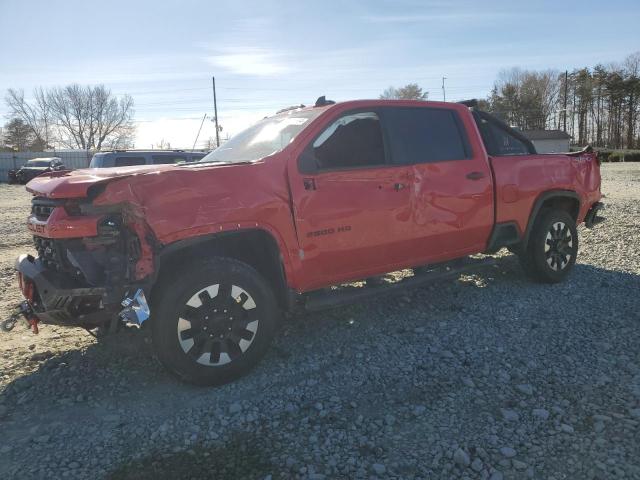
<point>75,116</point>
<point>597,106</point>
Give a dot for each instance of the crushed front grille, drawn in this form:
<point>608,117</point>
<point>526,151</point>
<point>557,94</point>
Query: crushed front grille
<point>48,253</point>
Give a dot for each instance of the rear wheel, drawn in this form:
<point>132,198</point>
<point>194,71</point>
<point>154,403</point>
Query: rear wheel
<point>552,247</point>
<point>214,321</point>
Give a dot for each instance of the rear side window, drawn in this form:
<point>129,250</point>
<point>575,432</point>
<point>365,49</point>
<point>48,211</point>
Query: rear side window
<point>499,141</point>
<point>425,135</point>
<point>352,141</point>
<point>197,156</point>
<point>164,159</point>
<point>506,144</point>
<point>127,161</point>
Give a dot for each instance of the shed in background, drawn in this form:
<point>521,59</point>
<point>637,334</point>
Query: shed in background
<point>548,141</point>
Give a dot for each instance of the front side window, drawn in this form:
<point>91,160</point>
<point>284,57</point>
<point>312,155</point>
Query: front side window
<point>424,135</point>
<point>352,141</point>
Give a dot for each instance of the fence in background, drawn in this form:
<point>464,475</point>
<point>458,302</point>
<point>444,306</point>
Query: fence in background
<point>70,159</point>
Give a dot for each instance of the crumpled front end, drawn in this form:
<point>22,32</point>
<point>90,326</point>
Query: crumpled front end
<point>89,258</point>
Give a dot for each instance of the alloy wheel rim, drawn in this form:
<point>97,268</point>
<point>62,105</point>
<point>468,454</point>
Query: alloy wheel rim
<point>217,324</point>
<point>558,246</point>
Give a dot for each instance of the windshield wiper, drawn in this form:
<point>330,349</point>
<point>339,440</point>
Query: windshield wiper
<point>210,161</point>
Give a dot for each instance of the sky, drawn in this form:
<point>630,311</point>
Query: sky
<point>267,55</point>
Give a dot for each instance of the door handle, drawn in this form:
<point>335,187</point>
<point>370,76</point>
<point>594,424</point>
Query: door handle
<point>475,175</point>
<point>399,186</point>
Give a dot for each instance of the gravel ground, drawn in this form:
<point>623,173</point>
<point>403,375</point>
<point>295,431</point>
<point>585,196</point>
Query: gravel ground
<point>490,376</point>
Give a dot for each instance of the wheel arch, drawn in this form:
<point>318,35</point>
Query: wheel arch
<point>254,246</point>
<point>567,200</point>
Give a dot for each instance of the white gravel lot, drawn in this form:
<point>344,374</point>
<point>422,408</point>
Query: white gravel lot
<point>490,376</point>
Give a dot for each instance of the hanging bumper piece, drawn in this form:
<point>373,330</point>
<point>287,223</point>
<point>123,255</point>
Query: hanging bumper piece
<point>136,309</point>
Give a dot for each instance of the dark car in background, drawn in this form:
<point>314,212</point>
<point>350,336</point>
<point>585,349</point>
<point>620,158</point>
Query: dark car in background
<point>123,158</point>
<point>35,167</point>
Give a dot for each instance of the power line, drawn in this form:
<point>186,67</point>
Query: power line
<point>279,89</point>
<point>198,135</point>
<point>215,109</point>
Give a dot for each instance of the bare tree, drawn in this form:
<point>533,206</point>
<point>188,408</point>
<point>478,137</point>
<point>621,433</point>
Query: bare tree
<point>632,70</point>
<point>88,117</point>
<point>411,91</point>
<point>525,98</point>
<point>84,117</point>
<point>43,136</point>
<point>210,143</point>
<point>163,145</point>
<point>35,115</point>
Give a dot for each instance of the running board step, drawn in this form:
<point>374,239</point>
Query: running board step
<point>323,299</point>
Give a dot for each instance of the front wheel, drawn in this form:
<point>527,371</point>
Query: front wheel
<point>552,248</point>
<point>214,321</point>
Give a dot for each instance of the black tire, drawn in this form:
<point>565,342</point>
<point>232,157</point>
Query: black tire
<point>552,247</point>
<point>222,326</point>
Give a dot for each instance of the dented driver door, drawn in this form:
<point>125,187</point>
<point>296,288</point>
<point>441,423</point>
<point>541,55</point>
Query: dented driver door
<point>351,208</point>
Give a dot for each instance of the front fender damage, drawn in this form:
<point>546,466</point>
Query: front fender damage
<point>128,220</point>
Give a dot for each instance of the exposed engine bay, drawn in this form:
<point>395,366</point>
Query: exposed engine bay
<point>88,281</point>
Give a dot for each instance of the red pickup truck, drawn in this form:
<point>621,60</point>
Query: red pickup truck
<point>213,251</point>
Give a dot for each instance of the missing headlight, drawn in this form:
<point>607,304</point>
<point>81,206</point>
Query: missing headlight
<point>110,227</point>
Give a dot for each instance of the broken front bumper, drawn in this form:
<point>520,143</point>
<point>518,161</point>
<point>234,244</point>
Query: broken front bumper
<point>58,299</point>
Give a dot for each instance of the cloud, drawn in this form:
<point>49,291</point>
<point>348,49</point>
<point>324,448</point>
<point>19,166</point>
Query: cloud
<point>250,62</point>
<point>438,17</point>
<point>113,70</point>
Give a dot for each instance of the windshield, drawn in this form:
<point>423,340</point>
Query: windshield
<point>96,160</point>
<point>38,163</point>
<point>265,138</point>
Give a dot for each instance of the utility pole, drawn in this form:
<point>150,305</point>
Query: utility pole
<point>198,135</point>
<point>566,82</point>
<point>444,93</point>
<point>215,111</point>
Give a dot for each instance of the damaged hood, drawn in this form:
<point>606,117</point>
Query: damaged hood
<point>76,183</point>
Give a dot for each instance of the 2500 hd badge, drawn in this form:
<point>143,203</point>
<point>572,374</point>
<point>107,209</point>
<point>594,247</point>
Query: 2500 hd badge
<point>329,231</point>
